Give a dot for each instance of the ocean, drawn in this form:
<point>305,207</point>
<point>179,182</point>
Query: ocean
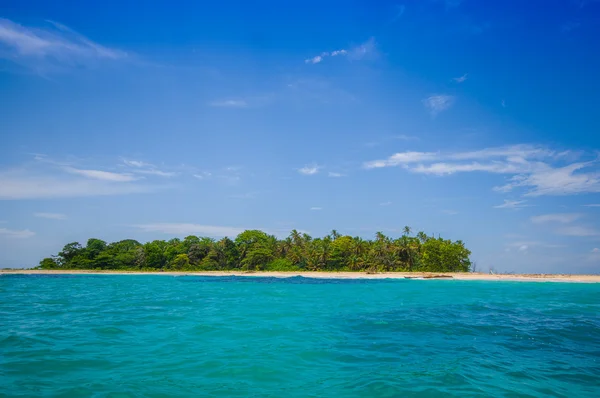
<point>188,336</point>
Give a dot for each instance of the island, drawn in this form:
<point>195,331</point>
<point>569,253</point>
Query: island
<point>255,250</point>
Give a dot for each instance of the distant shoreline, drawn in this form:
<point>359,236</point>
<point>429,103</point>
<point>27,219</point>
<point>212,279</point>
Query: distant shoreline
<point>466,276</point>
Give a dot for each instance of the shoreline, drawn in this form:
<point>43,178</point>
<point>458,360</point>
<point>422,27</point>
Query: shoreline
<point>467,276</point>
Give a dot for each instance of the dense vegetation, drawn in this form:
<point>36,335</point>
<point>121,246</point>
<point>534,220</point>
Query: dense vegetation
<point>256,250</point>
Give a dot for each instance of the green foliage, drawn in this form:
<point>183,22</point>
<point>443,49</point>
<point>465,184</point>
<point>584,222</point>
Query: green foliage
<point>48,263</point>
<point>257,250</point>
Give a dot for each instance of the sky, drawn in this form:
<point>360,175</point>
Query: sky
<point>473,120</point>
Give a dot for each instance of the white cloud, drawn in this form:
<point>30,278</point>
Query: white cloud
<point>309,169</point>
<point>315,59</point>
<point>595,250</point>
<point>358,52</point>
<point>511,204</point>
<point>158,173</point>
<point>548,180</point>
<point>438,103</point>
<point>563,218</point>
<point>183,229</point>
<point>51,216</point>
<point>593,205</point>
<point>316,208</point>
<point>31,184</point>
<point>462,78</point>
<point>136,163</point>
<point>539,169</point>
<point>231,103</point>
<point>400,159</point>
<point>335,175</point>
<point>365,50</point>
<point>203,175</point>
<point>11,233</point>
<point>388,203</point>
<point>503,103</point>
<point>101,175</point>
<point>50,47</point>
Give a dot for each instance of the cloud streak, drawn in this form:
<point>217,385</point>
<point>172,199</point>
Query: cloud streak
<point>537,169</point>
<point>359,52</point>
<point>140,167</point>
<point>512,204</point>
<point>101,175</point>
<point>461,79</point>
<point>438,103</point>
<point>51,216</point>
<point>309,170</point>
<point>53,46</point>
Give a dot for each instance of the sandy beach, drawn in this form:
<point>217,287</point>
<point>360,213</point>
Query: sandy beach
<point>341,275</point>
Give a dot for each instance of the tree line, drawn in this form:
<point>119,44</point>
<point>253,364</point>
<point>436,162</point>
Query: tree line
<point>257,250</point>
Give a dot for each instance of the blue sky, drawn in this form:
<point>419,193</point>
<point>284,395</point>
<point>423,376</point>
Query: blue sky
<point>476,120</point>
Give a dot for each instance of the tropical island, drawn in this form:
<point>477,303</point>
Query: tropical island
<point>255,250</point>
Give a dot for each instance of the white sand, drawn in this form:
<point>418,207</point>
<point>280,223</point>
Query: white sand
<point>345,275</point>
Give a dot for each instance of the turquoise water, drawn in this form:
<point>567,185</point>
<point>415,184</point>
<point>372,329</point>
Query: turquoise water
<point>163,336</point>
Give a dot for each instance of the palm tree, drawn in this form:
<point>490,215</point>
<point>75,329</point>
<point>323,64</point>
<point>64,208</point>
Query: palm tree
<point>407,230</point>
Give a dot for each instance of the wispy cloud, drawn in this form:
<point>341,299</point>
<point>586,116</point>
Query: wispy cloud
<point>182,229</point>
<point>101,175</point>
<point>318,58</point>
<point>203,175</point>
<point>399,12</point>
<point>50,47</point>
<point>316,208</point>
<point>385,203</point>
<point>51,216</point>
<point>438,103</point>
<point>512,204</point>
<point>593,205</point>
<point>361,51</point>
<point>136,163</point>
<point>49,179</point>
<point>450,212</point>
<point>335,175</point>
<point>541,170</point>
<point>229,103</point>
<point>310,169</point>
<point>503,103</point>
<point>595,250</point>
<point>563,218</point>
<point>140,167</point>
<point>401,158</point>
<point>11,233</point>
<point>462,78</point>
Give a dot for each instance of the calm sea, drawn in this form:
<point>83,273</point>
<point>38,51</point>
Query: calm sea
<point>164,336</point>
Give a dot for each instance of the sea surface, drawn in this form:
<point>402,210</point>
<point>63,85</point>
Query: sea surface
<point>165,336</point>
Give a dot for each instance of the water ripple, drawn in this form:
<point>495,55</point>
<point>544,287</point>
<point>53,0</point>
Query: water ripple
<point>156,336</point>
